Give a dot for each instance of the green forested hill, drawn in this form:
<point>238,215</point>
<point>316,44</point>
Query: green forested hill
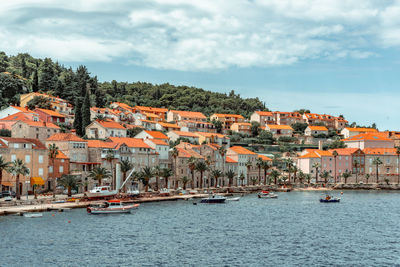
<point>26,74</point>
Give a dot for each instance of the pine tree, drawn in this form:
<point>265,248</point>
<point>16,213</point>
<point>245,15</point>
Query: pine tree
<point>35,82</point>
<point>59,92</point>
<point>86,112</point>
<point>24,68</point>
<point>78,116</point>
<point>47,77</point>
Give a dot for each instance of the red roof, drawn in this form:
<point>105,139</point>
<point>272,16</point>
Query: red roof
<point>265,158</point>
<point>264,113</point>
<point>41,124</point>
<point>189,114</point>
<point>230,160</point>
<point>65,137</point>
<point>26,110</point>
<point>100,144</point>
<point>368,137</point>
<point>241,150</point>
<point>36,143</point>
<point>219,115</point>
<point>110,124</point>
<point>344,151</point>
<point>187,153</point>
<point>50,112</point>
<point>61,155</point>
<point>185,134</point>
<point>20,116</point>
<point>130,142</point>
<point>158,142</point>
<point>157,135</point>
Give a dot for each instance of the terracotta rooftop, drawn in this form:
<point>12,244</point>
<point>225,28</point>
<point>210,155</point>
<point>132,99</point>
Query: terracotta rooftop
<point>189,114</point>
<point>264,113</point>
<point>187,153</point>
<point>158,142</point>
<point>241,150</point>
<point>110,124</point>
<point>130,142</point>
<point>265,158</point>
<point>380,151</point>
<point>279,127</point>
<point>65,137</point>
<point>100,144</point>
<point>186,134</point>
<point>219,115</point>
<point>157,135</point>
<point>36,143</point>
<point>50,112</point>
<point>41,124</point>
<point>365,130</point>
<point>317,128</point>
<point>367,137</point>
<point>230,160</point>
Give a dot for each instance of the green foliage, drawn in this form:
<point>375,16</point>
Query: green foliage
<point>337,144</point>
<point>320,135</point>
<point>266,137</point>
<point>217,125</point>
<point>78,116</point>
<point>10,88</point>
<point>302,111</point>
<point>47,75</point>
<point>85,112</point>
<point>255,128</point>
<point>287,139</point>
<point>40,102</point>
<point>133,132</point>
<point>5,132</point>
<point>319,124</point>
<point>299,127</point>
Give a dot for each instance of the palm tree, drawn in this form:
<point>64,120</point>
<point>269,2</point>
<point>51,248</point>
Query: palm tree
<point>325,175</point>
<point>208,161</point>
<point>145,175</point>
<point>241,177</point>
<point>249,164</point>
<point>316,166</point>
<point>166,173</point>
<point>308,178</point>
<point>126,166</point>
<point>266,167</point>
<point>109,158</point>
<point>367,177</point>
<point>53,152</point>
<point>192,166</point>
<point>346,175</point>
<point>157,171</point>
<point>201,167</point>
<point>99,173</point>
<point>377,161</point>
<point>335,154</point>
<point>259,164</point>
<point>69,181</point>
<point>289,164</point>
<point>356,164</point>
<point>222,151</point>
<point>294,170</point>
<point>18,168</point>
<point>398,164</point>
<point>275,175</point>
<point>3,166</point>
<point>184,181</point>
<point>175,154</point>
<point>253,180</point>
<point>230,174</point>
<point>216,174</point>
<point>302,176</point>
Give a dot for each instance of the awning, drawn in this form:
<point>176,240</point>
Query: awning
<point>37,181</point>
<point>5,183</point>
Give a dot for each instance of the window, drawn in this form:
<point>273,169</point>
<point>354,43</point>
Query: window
<point>40,171</point>
<point>16,145</point>
<point>62,160</point>
<point>50,169</point>
<point>40,158</point>
<point>61,169</point>
<point>13,157</point>
<point>27,158</point>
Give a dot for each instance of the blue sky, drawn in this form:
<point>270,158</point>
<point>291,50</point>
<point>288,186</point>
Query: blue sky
<point>336,57</point>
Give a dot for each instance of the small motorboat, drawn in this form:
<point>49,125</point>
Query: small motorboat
<point>267,194</point>
<point>193,192</point>
<point>33,215</point>
<point>233,199</point>
<point>111,207</point>
<point>213,199</point>
<point>329,199</point>
<point>165,192</point>
<point>101,192</point>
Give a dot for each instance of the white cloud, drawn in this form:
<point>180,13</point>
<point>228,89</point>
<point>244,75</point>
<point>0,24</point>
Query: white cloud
<point>200,35</point>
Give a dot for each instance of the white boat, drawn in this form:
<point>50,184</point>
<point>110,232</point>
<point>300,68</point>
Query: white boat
<point>233,199</point>
<point>101,192</point>
<point>213,199</point>
<point>33,215</point>
<point>266,194</point>
<point>111,207</point>
<point>165,192</point>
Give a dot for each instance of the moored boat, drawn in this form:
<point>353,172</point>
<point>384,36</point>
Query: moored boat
<point>33,215</point>
<point>329,199</point>
<point>212,199</point>
<point>233,199</point>
<point>111,207</point>
<point>101,192</point>
<point>267,194</point>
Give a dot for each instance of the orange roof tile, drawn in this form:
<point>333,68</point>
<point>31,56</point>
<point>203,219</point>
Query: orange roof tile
<point>265,158</point>
<point>186,134</point>
<point>279,127</point>
<point>20,116</point>
<point>241,150</point>
<point>169,125</point>
<point>61,155</point>
<point>158,142</point>
<point>344,151</point>
<point>367,137</point>
<point>264,113</point>
<point>311,154</point>
<point>317,128</point>
<point>205,134</point>
<point>151,109</point>
<point>23,109</point>
<point>65,137</point>
<point>219,115</point>
<point>230,160</point>
<point>36,143</point>
<point>365,130</point>
<point>379,151</point>
<point>130,142</point>
<point>187,153</point>
<point>110,124</point>
<point>100,144</point>
<point>157,135</point>
<point>41,124</point>
<point>189,114</point>
<point>50,112</point>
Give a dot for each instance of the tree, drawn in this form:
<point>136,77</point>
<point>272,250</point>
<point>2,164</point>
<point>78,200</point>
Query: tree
<point>69,181</point>
<point>241,177</point>
<point>325,175</point>
<point>145,175</point>
<point>249,164</point>
<point>302,176</point>
<point>346,175</point>
<point>377,161</point>
<point>337,143</point>
<point>47,77</point>
<point>231,175</point>
<point>109,158</point>
<point>85,112</point>
<point>175,154</point>
<point>201,167</point>
<point>59,91</point>
<point>39,102</point>
<point>18,168</point>
<point>157,171</point>
<point>367,177</point>
<point>99,174</point>
<point>335,154</point>
<point>316,166</point>
<point>166,173</point>
<point>35,82</point>
<point>356,164</point>
<point>299,127</point>
<point>266,165</point>
<point>216,174</point>
<point>217,125</point>
<point>308,178</point>
<point>78,117</point>
<point>184,181</point>
<point>208,163</point>
<point>259,164</point>
<point>192,166</point>
<point>265,137</point>
<point>3,166</point>
<point>255,128</point>
<point>126,166</point>
<point>222,151</point>
<point>288,164</point>
<point>52,153</point>
<point>274,174</point>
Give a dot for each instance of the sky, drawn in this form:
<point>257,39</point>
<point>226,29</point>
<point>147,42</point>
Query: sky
<point>334,57</point>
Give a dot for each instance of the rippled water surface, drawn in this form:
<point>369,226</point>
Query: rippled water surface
<point>295,229</point>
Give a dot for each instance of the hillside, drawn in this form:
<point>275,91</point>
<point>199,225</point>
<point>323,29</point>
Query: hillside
<point>23,73</point>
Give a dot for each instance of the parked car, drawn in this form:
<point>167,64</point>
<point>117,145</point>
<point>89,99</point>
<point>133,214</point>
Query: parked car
<point>7,194</point>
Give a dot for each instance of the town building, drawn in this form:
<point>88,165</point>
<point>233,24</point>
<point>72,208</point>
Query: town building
<point>165,126</point>
<point>162,148</point>
<point>178,115</point>
<point>241,127</point>
<point>52,116</point>
<point>58,167</point>
<point>58,104</point>
<point>388,157</point>
<point>100,129</point>
<point>279,130</point>
<point>34,129</point>
<point>145,134</point>
<point>243,156</point>
<point>11,110</point>
<point>263,117</point>
<point>161,112</point>
<point>215,138</point>
<point>196,126</point>
<point>191,137</point>
<point>227,119</point>
<point>316,130</point>
<point>287,118</point>
<point>350,132</point>
<point>372,140</point>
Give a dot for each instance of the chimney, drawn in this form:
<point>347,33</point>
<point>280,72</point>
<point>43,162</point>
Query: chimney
<point>320,144</point>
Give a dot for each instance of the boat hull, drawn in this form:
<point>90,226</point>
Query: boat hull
<point>99,195</point>
<point>329,201</point>
<point>267,196</point>
<point>126,209</point>
<point>213,200</point>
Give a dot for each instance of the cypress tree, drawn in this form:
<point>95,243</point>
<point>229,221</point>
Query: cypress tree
<point>78,116</point>
<point>59,92</point>
<point>48,78</point>
<point>35,82</point>
<point>24,68</point>
<point>85,112</point>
